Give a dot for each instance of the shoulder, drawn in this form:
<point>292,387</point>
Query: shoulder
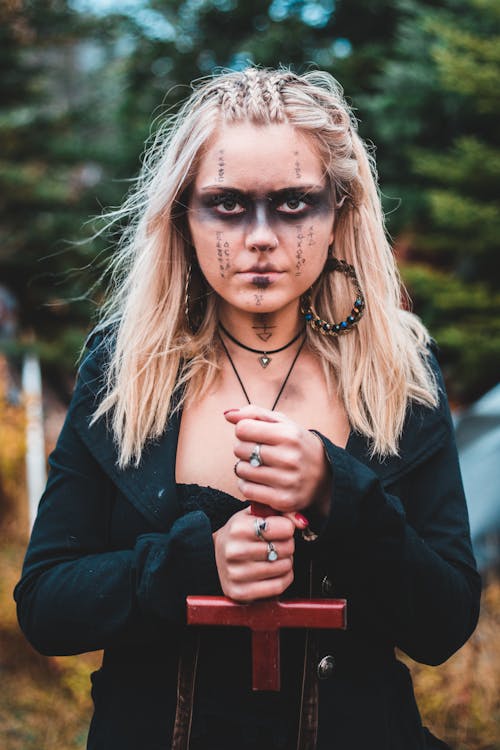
<point>426,430</point>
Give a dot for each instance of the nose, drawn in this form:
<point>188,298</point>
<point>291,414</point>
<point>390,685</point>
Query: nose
<point>261,236</point>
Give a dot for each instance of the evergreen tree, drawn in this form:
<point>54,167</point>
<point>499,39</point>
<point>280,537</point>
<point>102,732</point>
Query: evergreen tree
<point>55,136</point>
<point>440,153</point>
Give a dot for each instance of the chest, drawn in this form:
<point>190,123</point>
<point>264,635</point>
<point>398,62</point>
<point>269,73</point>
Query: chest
<point>205,450</point>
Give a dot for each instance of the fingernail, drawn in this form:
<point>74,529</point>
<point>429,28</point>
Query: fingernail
<point>228,410</point>
<point>302,519</point>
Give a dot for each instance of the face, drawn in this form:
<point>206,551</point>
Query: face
<point>260,216</point>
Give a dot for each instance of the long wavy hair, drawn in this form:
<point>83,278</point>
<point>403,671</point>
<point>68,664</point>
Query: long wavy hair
<point>157,363</point>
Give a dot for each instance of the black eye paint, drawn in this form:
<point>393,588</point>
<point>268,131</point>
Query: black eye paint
<point>286,206</point>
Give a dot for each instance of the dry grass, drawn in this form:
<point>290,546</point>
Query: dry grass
<point>460,700</point>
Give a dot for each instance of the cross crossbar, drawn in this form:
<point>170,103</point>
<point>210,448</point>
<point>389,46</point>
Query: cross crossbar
<point>265,618</point>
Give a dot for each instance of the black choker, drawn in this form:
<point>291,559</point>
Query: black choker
<point>264,358</point>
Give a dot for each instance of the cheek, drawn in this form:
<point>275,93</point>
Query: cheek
<point>213,251</point>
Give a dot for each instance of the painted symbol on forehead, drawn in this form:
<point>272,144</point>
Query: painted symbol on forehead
<point>298,170</point>
<point>262,327</point>
<point>299,253</point>
<point>221,165</point>
<point>222,249</point>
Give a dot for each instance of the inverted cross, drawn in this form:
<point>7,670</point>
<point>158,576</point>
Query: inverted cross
<point>265,618</point>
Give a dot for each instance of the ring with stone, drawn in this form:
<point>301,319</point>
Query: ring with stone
<point>260,525</point>
<point>255,459</point>
<point>272,555</point>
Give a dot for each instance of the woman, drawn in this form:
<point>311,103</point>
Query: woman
<point>254,348</point>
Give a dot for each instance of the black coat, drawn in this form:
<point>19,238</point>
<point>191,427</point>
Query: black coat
<point>112,558</point>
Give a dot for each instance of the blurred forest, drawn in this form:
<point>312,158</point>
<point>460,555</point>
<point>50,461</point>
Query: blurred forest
<point>83,84</point>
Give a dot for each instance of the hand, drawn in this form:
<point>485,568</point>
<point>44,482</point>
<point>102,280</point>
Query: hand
<point>244,570</point>
<point>294,473</point>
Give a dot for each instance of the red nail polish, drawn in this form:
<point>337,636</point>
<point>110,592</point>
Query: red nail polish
<point>228,410</point>
<point>302,519</point>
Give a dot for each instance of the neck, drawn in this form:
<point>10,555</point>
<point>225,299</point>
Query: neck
<point>262,330</point>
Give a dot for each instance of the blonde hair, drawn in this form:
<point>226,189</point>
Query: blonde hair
<point>157,362</point>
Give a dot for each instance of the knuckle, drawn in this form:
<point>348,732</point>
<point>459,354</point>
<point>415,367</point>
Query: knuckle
<point>242,428</point>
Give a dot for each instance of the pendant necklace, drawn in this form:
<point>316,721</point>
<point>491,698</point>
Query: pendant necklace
<point>307,534</point>
<point>285,381</point>
<point>264,358</point>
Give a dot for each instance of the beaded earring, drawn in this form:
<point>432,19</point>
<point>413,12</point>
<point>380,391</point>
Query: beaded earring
<point>358,308</point>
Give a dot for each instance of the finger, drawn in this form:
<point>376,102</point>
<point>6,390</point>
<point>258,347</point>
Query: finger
<point>282,456</point>
<point>276,529</point>
<point>298,519</point>
<point>251,552</point>
<point>257,431</point>
<point>282,500</point>
<point>252,411</point>
<point>260,589</point>
<point>260,570</point>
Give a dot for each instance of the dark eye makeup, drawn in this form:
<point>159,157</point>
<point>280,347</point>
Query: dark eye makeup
<point>288,203</point>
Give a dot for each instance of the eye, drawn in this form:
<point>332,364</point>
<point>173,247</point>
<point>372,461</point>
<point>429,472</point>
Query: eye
<point>227,204</point>
<point>294,204</point>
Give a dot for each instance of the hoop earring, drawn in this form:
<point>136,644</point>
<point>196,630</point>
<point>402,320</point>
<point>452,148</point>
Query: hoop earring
<point>358,308</point>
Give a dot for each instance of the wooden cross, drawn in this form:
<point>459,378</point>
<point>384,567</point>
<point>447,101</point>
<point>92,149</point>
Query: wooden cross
<point>265,618</point>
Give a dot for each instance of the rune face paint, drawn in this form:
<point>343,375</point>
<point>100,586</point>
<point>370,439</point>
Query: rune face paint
<point>258,200</point>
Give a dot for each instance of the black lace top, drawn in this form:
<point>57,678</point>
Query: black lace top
<point>227,712</point>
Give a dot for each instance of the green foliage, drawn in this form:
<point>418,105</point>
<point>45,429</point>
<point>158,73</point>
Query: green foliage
<point>465,321</point>
<point>436,115</point>
<point>78,90</point>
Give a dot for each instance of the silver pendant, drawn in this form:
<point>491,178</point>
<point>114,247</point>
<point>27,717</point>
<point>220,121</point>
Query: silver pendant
<point>264,360</point>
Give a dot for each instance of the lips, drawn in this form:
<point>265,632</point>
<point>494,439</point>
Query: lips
<point>267,268</point>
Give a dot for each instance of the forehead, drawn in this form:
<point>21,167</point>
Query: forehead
<point>260,156</point>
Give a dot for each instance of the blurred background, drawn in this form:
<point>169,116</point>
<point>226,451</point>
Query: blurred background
<point>83,84</point>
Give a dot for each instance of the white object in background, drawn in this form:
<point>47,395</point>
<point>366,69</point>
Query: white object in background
<point>36,473</point>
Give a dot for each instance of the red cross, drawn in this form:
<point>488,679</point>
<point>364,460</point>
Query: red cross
<point>265,618</point>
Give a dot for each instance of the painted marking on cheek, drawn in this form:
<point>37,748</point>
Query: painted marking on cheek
<point>298,170</point>
<point>310,236</point>
<point>299,253</point>
<point>262,327</point>
<point>227,256</point>
<point>221,167</point>
<point>219,246</point>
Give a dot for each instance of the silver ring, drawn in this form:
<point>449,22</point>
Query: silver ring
<point>272,555</point>
<point>255,459</point>
<point>260,525</point>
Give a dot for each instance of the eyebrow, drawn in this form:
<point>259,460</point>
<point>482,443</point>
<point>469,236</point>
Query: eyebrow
<point>269,194</point>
